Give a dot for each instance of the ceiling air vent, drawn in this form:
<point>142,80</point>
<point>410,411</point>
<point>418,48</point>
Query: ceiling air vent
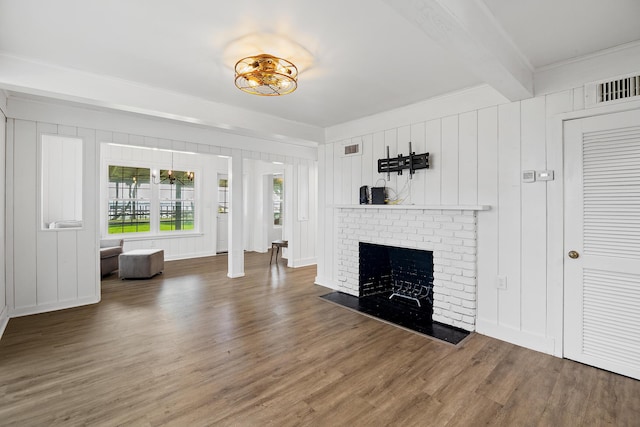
<point>612,91</point>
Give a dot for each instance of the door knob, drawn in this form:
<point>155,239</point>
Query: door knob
<point>573,254</point>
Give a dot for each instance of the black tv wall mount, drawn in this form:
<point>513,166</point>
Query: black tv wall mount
<point>412,162</point>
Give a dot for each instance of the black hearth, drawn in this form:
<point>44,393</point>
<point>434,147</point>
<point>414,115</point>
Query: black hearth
<point>396,285</point>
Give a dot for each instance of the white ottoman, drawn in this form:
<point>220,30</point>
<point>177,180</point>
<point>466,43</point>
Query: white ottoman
<point>141,263</point>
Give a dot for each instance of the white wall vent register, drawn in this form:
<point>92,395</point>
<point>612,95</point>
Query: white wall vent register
<point>351,149</point>
<point>620,89</point>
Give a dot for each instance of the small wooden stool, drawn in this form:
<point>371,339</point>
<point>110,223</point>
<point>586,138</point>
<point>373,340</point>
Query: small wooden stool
<point>277,244</point>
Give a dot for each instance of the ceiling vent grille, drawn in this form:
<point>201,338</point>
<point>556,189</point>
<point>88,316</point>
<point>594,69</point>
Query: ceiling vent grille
<point>610,91</point>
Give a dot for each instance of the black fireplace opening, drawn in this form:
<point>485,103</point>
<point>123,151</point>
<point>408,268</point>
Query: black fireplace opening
<point>400,274</point>
<point>396,285</point>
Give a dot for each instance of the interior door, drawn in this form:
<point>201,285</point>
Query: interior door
<point>602,242</point>
<point>222,216</point>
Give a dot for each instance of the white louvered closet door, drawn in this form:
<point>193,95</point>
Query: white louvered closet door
<point>602,225</point>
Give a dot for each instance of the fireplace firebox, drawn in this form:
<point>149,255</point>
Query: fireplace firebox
<point>396,273</point>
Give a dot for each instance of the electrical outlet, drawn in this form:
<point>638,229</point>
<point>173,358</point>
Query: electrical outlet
<point>501,282</point>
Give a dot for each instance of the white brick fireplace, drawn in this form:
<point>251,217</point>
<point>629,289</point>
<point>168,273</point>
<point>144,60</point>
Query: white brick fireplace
<point>448,231</point>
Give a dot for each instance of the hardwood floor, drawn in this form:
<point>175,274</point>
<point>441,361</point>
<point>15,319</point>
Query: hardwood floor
<point>192,347</point>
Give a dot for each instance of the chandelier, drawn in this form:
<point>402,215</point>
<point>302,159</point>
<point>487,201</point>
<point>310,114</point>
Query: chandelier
<point>171,176</point>
<point>266,75</point>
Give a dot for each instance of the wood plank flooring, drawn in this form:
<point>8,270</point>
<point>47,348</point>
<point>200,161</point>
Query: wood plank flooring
<point>192,347</point>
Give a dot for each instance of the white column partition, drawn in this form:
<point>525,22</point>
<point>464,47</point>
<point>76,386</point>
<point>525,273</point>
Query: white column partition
<point>236,239</point>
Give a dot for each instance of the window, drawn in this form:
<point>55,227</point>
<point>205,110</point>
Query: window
<point>129,199</point>
<point>142,201</point>
<point>61,185</point>
<point>176,200</point>
<point>223,195</point>
<point>278,198</point>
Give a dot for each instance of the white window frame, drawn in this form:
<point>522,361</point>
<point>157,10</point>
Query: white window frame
<point>154,232</point>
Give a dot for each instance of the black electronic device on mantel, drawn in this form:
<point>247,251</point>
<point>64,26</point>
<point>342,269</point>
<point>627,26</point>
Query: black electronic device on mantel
<point>378,195</point>
<point>364,195</point>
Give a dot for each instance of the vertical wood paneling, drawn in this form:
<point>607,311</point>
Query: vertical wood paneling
<point>468,164</point>
<point>509,213</point>
<point>344,172</point>
<point>356,175</point>
<point>404,137</point>
<point>328,232</point>
<point>403,181</point>
<point>433,185</point>
<point>450,161</point>
<point>367,161</point>
<point>418,143</point>
<point>3,240</point>
<point>46,264</point>
<point>379,151</point>
<point>24,214</point>
<point>556,103</point>
<point>67,266</point>
<point>311,236</point>
<point>10,214</point>
<point>88,255</point>
<point>46,267</point>
<point>322,203</point>
<point>534,218</point>
<point>488,220</point>
<point>578,98</point>
<point>391,141</point>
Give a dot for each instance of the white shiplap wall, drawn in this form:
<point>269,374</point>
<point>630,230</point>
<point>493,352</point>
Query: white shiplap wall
<point>476,158</point>
<point>49,270</point>
<point>4,312</point>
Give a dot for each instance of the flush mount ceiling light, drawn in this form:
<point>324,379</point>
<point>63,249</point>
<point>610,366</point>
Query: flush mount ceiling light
<point>266,75</point>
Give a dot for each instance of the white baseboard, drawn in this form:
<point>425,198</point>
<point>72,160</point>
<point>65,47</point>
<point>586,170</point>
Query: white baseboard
<point>304,262</point>
<point>235,276</point>
<point>514,336</point>
<point>189,256</point>
<point>44,308</point>
<point>4,320</point>
<point>325,282</point>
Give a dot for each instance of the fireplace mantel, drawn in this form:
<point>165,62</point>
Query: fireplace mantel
<point>419,207</point>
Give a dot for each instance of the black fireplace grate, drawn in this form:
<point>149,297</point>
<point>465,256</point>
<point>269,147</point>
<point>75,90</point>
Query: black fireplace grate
<point>398,272</point>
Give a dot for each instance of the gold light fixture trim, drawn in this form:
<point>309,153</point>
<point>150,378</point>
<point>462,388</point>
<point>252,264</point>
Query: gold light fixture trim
<point>266,75</point>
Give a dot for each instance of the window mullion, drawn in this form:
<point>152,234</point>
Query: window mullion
<point>155,209</point>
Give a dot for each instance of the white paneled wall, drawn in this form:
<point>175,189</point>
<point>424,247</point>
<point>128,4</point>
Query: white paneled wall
<point>49,270</point>
<point>4,312</point>
<point>476,158</point>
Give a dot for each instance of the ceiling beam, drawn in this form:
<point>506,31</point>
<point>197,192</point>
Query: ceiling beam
<point>467,30</point>
<point>40,79</point>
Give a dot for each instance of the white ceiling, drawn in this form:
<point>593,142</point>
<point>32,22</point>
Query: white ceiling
<point>366,56</point>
